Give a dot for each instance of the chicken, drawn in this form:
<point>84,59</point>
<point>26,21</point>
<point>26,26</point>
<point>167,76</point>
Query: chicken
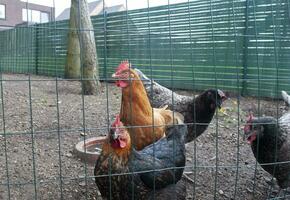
<point>172,192</point>
<point>124,173</point>
<point>270,143</point>
<point>148,124</point>
<point>197,111</point>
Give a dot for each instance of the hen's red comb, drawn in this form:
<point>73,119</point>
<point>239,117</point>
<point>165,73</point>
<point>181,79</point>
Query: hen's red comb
<point>123,66</point>
<point>247,127</point>
<point>117,121</point>
<point>250,117</point>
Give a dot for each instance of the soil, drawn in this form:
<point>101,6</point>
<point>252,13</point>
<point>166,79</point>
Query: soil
<point>56,113</point>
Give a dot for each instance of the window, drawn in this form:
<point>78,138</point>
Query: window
<point>34,16</point>
<point>2,11</point>
<point>44,17</point>
<point>26,14</point>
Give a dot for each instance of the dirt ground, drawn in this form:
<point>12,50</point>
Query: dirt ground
<point>220,163</point>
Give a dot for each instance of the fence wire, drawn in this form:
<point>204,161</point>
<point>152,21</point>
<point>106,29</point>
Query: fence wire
<point>239,46</point>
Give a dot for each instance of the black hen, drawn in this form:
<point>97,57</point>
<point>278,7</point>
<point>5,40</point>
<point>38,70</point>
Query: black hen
<point>171,192</point>
<point>131,172</point>
<point>197,111</point>
<point>270,144</point>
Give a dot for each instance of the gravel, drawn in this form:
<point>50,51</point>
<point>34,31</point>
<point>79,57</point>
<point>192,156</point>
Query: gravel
<point>42,129</point>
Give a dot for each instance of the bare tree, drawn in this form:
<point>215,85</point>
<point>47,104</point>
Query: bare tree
<point>73,63</point>
<point>88,58</point>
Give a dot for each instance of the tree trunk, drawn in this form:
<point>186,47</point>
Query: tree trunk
<point>89,59</point>
<point>73,63</point>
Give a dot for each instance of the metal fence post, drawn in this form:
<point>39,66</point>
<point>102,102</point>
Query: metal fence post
<point>245,50</point>
<point>105,45</point>
<point>36,53</point>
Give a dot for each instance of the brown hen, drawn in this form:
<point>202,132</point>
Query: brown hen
<point>147,124</point>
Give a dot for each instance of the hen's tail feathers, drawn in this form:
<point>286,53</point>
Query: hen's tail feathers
<point>142,76</point>
<point>179,118</point>
<point>146,80</point>
<point>286,97</point>
<point>164,107</point>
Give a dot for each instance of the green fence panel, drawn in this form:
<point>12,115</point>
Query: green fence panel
<point>240,46</point>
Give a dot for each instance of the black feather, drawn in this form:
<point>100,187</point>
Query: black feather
<point>198,112</point>
<point>273,146</point>
<point>166,157</point>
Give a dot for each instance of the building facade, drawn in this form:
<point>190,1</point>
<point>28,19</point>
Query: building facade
<point>95,8</point>
<point>15,12</point>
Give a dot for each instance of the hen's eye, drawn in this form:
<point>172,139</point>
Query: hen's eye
<point>250,127</point>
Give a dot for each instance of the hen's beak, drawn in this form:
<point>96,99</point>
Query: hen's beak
<point>250,136</point>
<point>223,98</point>
<point>114,135</point>
<point>220,102</point>
<point>246,134</point>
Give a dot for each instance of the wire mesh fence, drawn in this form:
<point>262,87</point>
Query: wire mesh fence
<point>238,46</point>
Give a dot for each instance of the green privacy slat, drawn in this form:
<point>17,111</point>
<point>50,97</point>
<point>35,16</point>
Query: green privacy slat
<point>32,49</point>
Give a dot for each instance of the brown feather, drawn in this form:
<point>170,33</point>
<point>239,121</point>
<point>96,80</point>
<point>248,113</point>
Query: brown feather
<point>136,110</point>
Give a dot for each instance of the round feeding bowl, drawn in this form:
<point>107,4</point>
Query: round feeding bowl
<point>89,150</point>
